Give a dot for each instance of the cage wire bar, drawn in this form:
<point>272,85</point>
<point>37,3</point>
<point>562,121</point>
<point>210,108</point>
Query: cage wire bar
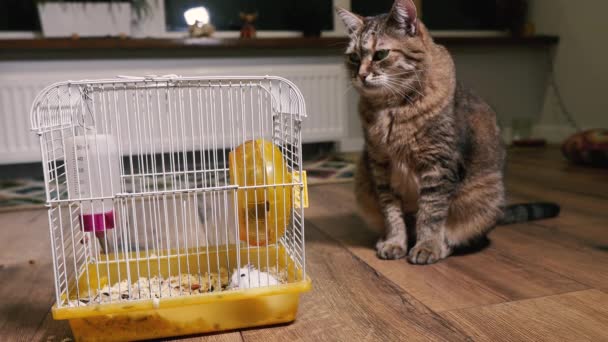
<point>138,184</point>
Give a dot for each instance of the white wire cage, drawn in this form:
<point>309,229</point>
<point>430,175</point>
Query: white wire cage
<point>163,187</point>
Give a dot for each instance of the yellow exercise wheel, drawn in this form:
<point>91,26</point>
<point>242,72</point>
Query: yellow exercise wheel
<point>264,198</point>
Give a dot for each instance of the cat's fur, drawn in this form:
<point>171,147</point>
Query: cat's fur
<point>433,152</point>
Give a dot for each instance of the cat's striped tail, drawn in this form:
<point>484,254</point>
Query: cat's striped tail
<point>519,213</point>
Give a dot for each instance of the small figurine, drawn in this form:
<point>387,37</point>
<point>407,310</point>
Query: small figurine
<point>201,30</point>
<point>198,21</point>
<point>248,29</point>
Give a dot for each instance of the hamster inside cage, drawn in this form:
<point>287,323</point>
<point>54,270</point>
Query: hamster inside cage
<point>175,204</point>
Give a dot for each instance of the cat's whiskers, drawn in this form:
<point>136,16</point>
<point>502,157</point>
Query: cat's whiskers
<point>391,90</point>
<point>418,79</point>
<point>404,85</point>
<point>395,89</point>
<point>401,93</point>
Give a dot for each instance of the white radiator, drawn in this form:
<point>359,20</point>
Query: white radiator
<point>17,142</point>
<point>323,85</point>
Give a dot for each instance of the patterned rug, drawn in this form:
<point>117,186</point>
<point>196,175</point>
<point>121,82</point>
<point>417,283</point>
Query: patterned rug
<point>21,194</point>
<point>336,168</point>
<point>18,194</point>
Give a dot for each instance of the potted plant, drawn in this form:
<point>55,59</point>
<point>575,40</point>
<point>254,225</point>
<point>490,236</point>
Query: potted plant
<point>90,18</point>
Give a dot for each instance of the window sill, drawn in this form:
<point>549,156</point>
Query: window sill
<point>147,48</point>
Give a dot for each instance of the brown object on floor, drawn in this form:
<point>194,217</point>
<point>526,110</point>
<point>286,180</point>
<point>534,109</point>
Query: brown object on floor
<point>588,148</point>
<point>546,280</point>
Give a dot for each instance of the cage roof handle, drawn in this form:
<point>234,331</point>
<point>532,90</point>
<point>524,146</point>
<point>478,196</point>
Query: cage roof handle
<point>87,99</point>
<point>290,101</point>
<point>150,77</point>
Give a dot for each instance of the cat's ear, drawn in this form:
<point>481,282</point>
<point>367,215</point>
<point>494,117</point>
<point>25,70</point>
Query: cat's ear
<point>352,21</point>
<point>404,17</point>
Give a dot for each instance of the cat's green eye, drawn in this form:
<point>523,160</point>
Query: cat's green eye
<point>381,54</point>
<point>354,58</point>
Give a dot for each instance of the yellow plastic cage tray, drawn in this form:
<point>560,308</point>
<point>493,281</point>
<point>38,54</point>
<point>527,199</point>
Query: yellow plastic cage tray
<point>184,315</point>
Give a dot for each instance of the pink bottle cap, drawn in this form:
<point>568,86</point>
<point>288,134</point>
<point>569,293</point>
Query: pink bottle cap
<point>97,222</point>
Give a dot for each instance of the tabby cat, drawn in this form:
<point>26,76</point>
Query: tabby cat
<point>433,156</point>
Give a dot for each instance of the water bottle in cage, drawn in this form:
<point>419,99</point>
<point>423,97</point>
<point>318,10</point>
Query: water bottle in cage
<point>93,170</point>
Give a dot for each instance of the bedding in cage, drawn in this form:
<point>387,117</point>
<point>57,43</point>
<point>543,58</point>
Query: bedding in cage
<point>175,204</point>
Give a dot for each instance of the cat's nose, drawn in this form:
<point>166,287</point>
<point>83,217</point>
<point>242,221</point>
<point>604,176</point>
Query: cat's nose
<point>363,76</point>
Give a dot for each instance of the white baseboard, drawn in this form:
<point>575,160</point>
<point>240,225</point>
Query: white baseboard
<point>554,134</point>
<point>351,145</point>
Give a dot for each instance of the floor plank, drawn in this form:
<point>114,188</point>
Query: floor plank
<point>583,203</point>
<point>577,316</point>
<point>548,248</point>
<point>27,293</point>
<point>559,178</point>
<point>542,280</point>
<point>459,282</point>
<point>219,337</point>
<point>25,235</point>
<point>26,276</point>
<point>53,331</point>
<point>582,217</point>
<point>352,302</point>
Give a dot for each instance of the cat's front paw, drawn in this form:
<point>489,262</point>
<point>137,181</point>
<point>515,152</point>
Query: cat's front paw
<point>428,252</point>
<point>391,249</point>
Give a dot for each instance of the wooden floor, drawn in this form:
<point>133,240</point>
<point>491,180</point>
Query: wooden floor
<point>539,281</point>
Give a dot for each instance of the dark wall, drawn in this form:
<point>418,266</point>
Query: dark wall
<point>18,15</point>
<point>285,15</point>
<point>443,14</point>
<point>296,15</point>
